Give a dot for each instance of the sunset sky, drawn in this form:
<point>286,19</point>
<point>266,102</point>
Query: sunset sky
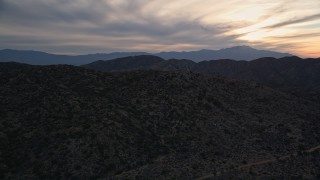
<point>91,26</point>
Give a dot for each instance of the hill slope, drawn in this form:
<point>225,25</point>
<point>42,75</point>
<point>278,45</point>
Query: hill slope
<point>6,67</point>
<point>126,63</point>
<point>289,71</point>
<point>70,122</point>
<point>291,74</point>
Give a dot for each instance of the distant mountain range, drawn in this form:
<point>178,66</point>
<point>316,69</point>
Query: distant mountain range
<point>235,53</point>
<point>42,58</point>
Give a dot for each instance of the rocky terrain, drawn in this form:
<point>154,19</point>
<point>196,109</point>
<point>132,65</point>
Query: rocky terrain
<point>294,75</point>
<point>66,122</point>
<point>6,67</point>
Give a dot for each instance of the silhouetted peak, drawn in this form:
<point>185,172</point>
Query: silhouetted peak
<point>291,58</point>
<point>142,57</point>
<point>240,48</point>
<point>265,59</point>
<point>206,50</point>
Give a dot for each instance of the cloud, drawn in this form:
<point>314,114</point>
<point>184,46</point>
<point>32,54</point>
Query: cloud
<point>84,26</point>
<point>295,21</point>
<point>106,20</point>
<point>299,36</point>
<point>33,12</point>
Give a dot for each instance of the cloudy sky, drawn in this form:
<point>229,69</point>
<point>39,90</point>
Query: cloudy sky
<point>90,26</point>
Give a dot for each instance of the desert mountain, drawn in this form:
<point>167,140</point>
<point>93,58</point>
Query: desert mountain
<point>41,58</point>
<point>66,122</point>
<point>235,53</point>
<point>292,71</point>
<point>126,63</point>
<point>299,76</point>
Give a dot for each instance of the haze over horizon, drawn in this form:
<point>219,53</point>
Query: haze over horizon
<point>82,26</point>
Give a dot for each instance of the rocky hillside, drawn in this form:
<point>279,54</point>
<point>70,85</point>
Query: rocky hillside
<point>290,74</point>
<point>126,64</point>
<point>289,71</point>
<point>6,67</point>
<point>62,122</point>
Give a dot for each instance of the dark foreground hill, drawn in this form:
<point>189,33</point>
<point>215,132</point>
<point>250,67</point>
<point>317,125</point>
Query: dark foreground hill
<point>63,122</point>
<point>290,74</point>
<point>6,67</point>
<point>126,64</point>
<point>289,71</point>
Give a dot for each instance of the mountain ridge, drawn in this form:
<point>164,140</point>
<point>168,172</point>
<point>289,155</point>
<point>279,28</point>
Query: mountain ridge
<point>291,74</point>
<point>43,58</point>
<point>236,53</point>
<point>231,68</point>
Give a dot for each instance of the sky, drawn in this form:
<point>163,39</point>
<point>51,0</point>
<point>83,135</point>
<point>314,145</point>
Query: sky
<point>92,26</point>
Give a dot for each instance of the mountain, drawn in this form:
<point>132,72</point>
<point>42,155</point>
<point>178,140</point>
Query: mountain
<point>66,122</point>
<point>235,53</point>
<point>290,74</point>
<point>126,63</point>
<point>41,58</point>
<point>290,71</point>
<point>33,57</point>
<point>299,76</point>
